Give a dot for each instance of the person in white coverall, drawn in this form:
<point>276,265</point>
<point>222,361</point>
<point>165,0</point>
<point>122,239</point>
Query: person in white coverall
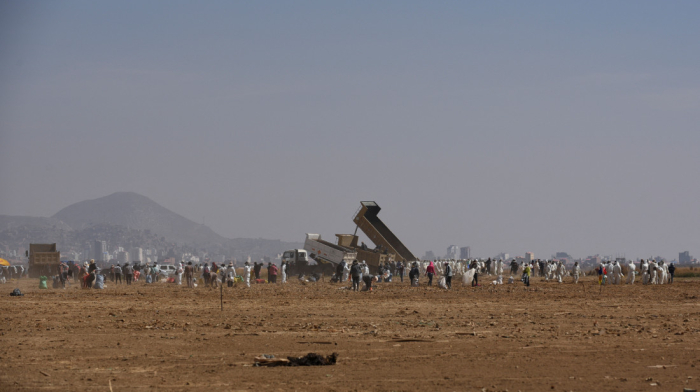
<point>365,270</point>
<point>577,272</point>
<point>630,272</point>
<point>346,272</point>
<point>499,271</point>
<point>180,271</point>
<point>246,273</point>
<point>283,269</point>
<point>644,267</point>
<point>617,273</point>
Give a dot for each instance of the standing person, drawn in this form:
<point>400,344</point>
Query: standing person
<point>273,272</point>
<point>63,273</point>
<point>355,273</point>
<point>111,273</point>
<point>206,274</point>
<point>155,271</point>
<point>526,274</point>
<point>179,272</point>
<point>400,269</point>
<point>474,266</point>
<point>189,275</point>
<point>671,272</point>
<point>246,273</point>
<point>256,268</point>
<point>599,270</point>
<point>448,275</point>
<point>269,274</point>
<point>630,272</point>
<point>488,266</point>
<point>283,271</point>
<point>513,267</point>
<point>339,270</point>
<point>346,272</point>
<point>577,272</point>
<point>230,274</point>
<point>92,267</point>
<point>414,274</point>
<point>118,274</point>
<point>430,271</point>
<point>129,272</point>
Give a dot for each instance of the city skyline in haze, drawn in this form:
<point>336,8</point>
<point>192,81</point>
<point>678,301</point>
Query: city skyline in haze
<point>529,127</point>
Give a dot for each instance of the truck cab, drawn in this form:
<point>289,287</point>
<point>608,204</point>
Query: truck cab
<point>295,256</point>
<point>297,260</point>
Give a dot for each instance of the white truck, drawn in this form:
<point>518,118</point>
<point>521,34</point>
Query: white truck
<point>326,254</point>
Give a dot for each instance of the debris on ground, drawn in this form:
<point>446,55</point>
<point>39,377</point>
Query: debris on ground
<point>310,359</point>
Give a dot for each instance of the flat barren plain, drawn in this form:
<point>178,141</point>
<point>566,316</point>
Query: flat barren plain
<point>163,337</point>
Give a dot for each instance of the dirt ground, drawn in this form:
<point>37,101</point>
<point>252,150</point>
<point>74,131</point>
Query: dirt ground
<point>162,337</point>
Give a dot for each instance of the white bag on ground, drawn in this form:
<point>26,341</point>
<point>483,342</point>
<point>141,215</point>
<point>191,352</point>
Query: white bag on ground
<point>442,283</point>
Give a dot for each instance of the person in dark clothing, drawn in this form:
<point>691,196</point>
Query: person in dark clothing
<point>129,273</point>
<point>90,278</point>
<point>400,270</point>
<point>513,267</point>
<point>368,279</point>
<point>488,266</point>
<point>92,267</point>
<point>355,272</point>
<point>118,274</point>
<point>414,274</point>
<point>269,272</point>
<point>256,268</point>
<point>475,281</point>
<point>339,271</point>
<point>671,271</point>
<point>448,275</point>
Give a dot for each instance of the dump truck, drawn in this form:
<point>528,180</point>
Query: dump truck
<point>44,259</point>
<point>326,254</point>
<point>388,248</point>
<point>366,220</point>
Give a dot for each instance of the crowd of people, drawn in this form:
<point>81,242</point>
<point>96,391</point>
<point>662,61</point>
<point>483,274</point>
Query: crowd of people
<point>8,272</point>
<point>610,272</point>
<point>88,275</point>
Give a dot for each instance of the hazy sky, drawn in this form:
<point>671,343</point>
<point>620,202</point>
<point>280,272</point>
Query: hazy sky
<point>505,126</point>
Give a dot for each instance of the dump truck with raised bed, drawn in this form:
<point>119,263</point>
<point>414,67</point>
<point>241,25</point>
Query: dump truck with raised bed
<point>44,259</point>
<point>366,220</point>
<point>326,255</point>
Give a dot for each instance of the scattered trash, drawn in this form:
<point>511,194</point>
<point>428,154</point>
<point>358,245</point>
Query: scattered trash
<point>310,359</point>
<point>16,293</point>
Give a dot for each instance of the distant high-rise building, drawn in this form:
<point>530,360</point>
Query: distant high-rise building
<point>465,253</point>
<point>684,258</point>
<point>136,254</point>
<point>99,250</point>
<point>529,256</point>
<point>452,252</point>
<point>122,257</point>
<point>503,256</point>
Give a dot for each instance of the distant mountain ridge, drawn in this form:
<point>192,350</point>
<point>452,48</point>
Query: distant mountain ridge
<point>120,217</point>
<point>136,211</point>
